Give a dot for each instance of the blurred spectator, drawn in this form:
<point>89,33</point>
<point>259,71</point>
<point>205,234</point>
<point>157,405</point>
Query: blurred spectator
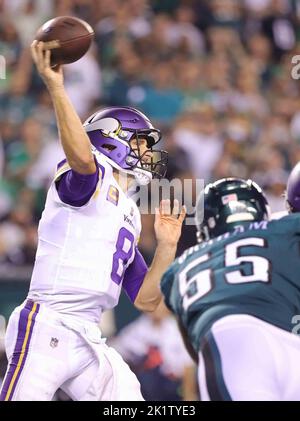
<point>163,100</point>
<point>125,86</point>
<point>196,133</point>
<point>153,347</point>
<point>256,6</point>
<point>183,34</point>
<point>260,51</point>
<point>28,16</point>
<point>83,83</point>
<point>165,6</point>
<point>227,13</point>
<point>10,44</point>
<point>278,25</point>
<point>1,158</point>
<point>192,83</point>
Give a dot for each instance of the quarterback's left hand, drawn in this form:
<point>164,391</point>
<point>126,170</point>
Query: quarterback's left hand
<point>168,224</point>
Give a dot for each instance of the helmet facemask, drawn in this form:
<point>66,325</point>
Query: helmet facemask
<point>151,163</point>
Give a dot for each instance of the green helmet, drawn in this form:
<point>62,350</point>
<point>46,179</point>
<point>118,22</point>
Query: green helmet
<point>227,203</point>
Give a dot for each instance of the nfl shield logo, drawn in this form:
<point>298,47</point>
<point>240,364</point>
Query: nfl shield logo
<point>54,342</point>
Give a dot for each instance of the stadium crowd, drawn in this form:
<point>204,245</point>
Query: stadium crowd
<point>214,75</point>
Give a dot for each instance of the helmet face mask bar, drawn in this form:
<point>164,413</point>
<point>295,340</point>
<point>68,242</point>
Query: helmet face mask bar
<point>111,131</point>
<point>151,160</point>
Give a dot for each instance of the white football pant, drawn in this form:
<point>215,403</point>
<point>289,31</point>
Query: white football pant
<point>46,352</point>
<point>243,358</point>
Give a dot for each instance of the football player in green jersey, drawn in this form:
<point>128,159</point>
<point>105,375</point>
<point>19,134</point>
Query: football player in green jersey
<point>236,296</point>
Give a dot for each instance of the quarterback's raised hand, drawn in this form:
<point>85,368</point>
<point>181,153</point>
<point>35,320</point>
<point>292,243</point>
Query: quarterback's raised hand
<point>167,228</point>
<point>168,224</point>
<point>53,77</point>
<point>75,142</point>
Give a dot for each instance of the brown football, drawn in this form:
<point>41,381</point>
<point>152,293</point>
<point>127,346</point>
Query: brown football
<point>68,37</point>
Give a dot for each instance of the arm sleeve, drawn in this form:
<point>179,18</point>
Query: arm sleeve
<point>76,189</point>
<point>134,276</point>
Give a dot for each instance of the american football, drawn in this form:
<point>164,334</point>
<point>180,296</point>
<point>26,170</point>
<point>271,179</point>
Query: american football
<point>69,38</point>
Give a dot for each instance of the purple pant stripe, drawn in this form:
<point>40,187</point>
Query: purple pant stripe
<point>23,321</point>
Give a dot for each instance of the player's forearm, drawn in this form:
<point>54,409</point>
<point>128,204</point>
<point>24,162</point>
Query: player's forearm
<point>189,385</point>
<point>74,139</point>
<point>149,295</point>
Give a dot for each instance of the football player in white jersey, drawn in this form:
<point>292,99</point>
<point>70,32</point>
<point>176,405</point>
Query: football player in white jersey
<point>87,251</point>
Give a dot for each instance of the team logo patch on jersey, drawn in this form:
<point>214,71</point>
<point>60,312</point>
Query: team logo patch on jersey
<point>229,198</point>
<point>113,195</point>
<point>54,342</point>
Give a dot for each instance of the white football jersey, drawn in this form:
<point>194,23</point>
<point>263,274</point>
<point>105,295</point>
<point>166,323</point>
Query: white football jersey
<point>83,251</point>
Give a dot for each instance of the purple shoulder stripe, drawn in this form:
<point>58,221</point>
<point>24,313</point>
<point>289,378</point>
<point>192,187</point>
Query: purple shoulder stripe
<point>60,164</point>
<point>64,161</point>
<point>102,169</point>
<point>76,189</point>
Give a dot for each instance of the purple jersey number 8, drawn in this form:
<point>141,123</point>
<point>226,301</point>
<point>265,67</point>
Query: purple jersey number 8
<point>121,254</point>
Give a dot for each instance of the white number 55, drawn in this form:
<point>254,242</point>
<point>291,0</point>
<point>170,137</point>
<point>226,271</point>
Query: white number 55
<point>195,284</point>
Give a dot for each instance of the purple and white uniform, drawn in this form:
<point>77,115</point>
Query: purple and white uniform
<point>88,245</point>
<point>87,251</point>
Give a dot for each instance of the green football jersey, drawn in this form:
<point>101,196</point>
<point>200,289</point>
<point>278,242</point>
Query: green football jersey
<point>254,270</point>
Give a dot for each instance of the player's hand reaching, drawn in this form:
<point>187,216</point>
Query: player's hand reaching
<point>53,77</point>
<point>168,223</point>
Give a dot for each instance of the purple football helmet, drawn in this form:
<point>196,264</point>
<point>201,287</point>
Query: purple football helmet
<point>293,190</point>
<point>110,131</point>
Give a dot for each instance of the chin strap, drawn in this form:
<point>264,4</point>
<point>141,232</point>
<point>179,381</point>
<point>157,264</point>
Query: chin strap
<point>141,176</point>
